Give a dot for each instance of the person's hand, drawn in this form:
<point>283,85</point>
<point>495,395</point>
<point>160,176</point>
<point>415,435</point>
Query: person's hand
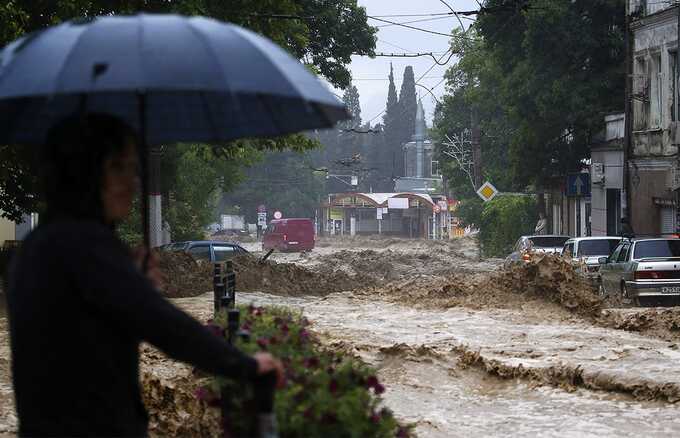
<point>153,270</point>
<point>266,363</point>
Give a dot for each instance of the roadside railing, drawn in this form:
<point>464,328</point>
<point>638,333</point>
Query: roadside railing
<point>263,421</point>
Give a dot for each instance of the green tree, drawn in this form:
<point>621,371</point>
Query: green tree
<point>406,117</point>
<point>387,157</point>
<point>351,100</point>
<point>561,65</point>
<point>324,36</point>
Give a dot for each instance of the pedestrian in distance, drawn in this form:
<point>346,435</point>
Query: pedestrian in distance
<point>541,225</point>
<point>80,303</point>
<point>626,228</point>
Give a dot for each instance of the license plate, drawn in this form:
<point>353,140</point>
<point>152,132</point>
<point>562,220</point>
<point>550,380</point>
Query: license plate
<point>670,290</point>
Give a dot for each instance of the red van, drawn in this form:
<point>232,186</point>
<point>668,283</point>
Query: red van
<point>289,235</point>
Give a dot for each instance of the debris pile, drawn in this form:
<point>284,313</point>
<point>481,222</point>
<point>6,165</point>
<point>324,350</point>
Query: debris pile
<point>662,323</point>
<point>184,276</point>
<point>291,279</point>
<point>545,277</point>
<point>553,278</point>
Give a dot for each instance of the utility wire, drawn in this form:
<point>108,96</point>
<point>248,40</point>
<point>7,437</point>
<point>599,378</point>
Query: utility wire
<point>419,29</point>
<point>422,20</point>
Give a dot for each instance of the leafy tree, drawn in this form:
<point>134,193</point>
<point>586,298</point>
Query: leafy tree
<point>556,102</point>
<point>324,36</point>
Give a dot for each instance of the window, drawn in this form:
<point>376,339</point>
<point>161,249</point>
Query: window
<point>435,168</point>
<point>657,248</point>
<point>623,255</point>
<point>594,248</point>
<point>568,250</point>
<point>201,252</point>
<point>223,253</point>
<point>615,254</point>
<point>673,82</point>
<point>656,88</point>
<point>548,242</point>
<point>640,94</point>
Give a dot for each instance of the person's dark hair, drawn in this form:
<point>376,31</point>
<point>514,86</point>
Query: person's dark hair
<point>72,163</point>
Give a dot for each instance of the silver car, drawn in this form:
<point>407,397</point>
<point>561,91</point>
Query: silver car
<point>585,252</point>
<point>527,244</point>
<point>646,271</point>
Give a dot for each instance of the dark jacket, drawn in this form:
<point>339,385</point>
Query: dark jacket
<point>78,310</point>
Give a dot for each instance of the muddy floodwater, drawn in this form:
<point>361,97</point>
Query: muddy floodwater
<point>418,355</point>
<point>462,348</point>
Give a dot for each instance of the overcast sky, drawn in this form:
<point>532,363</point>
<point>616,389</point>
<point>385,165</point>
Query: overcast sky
<point>370,75</point>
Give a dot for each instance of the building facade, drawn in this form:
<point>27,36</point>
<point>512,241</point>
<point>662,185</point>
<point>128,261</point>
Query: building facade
<point>653,168</point>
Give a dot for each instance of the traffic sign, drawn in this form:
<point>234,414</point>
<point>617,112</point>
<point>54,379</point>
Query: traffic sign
<point>262,219</point>
<point>278,215</point>
<point>578,184</point>
<point>487,191</point>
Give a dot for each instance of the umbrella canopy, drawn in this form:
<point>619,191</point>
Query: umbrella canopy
<point>175,78</point>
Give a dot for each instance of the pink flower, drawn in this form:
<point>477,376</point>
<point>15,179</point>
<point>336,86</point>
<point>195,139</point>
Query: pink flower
<point>372,381</point>
<point>311,362</point>
<point>262,343</point>
<point>304,335</point>
<point>375,418</point>
<point>207,396</point>
<point>333,386</point>
<point>402,432</point>
<point>379,389</point>
<point>285,329</point>
<point>215,329</point>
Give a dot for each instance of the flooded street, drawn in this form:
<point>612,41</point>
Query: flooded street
<point>458,354</point>
<point>420,355</point>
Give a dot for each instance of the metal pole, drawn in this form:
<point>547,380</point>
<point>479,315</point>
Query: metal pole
<point>155,213</point>
<point>626,209</point>
<point>476,148</point>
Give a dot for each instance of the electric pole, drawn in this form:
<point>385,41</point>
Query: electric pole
<point>476,148</point>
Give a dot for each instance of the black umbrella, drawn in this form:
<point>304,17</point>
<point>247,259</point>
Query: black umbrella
<point>174,78</point>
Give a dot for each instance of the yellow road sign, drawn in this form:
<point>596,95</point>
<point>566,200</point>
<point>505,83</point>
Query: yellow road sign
<point>487,192</point>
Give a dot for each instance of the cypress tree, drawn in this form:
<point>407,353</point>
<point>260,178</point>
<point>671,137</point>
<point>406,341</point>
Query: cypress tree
<point>408,105</point>
<point>391,146</point>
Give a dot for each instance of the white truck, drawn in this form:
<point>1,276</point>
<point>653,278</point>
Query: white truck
<point>232,222</point>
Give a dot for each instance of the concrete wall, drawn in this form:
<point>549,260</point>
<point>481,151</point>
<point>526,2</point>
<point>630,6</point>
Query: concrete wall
<point>7,230</point>
<point>653,182</point>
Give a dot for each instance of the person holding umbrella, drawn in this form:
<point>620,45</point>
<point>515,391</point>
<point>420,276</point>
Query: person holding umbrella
<point>80,305</point>
<point>95,95</point>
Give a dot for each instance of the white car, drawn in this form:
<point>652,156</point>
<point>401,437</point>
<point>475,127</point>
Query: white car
<point>584,252</point>
<point>536,244</point>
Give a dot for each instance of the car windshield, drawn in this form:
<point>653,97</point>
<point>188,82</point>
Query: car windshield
<point>548,242</point>
<point>600,247</point>
<point>223,253</point>
<point>657,248</point>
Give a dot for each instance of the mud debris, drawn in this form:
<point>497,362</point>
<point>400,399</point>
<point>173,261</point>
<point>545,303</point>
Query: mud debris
<point>291,279</point>
<point>662,323</point>
<point>184,276</point>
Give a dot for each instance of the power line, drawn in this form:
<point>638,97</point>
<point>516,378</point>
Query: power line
<point>419,29</point>
<point>422,20</point>
<point>409,55</point>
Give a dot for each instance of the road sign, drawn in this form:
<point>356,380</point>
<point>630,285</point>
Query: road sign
<point>262,219</point>
<point>278,215</point>
<point>578,184</point>
<point>487,191</point>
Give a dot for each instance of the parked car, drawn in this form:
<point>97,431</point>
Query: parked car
<point>585,252</point>
<point>214,251</point>
<point>541,243</point>
<point>289,235</point>
<point>644,270</point>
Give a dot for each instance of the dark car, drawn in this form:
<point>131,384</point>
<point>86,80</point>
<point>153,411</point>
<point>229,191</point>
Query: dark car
<point>212,250</point>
